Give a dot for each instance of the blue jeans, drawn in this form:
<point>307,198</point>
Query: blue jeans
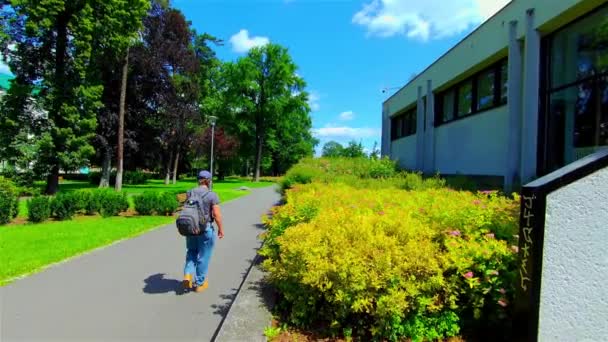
<point>198,254</point>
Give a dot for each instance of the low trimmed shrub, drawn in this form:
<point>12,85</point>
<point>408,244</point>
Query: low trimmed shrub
<point>9,201</point>
<point>166,204</point>
<point>146,203</point>
<point>64,206</point>
<point>422,264</point>
<point>87,202</point>
<point>111,203</point>
<point>135,178</point>
<point>38,209</point>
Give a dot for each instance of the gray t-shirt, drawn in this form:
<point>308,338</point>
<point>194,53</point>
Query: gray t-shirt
<point>209,200</point>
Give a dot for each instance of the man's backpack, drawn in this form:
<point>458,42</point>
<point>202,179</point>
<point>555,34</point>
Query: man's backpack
<point>191,218</point>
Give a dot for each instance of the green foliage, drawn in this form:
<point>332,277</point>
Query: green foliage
<point>146,203</point>
<point>128,178</point>
<point>163,203</point>
<point>111,203</point>
<point>354,171</point>
<point>135,177</point>
<point>57,46</point>
<point>166,204</point>
<point>64,206</point>
<point>38,209</point>
<point>332,149</point>
<point>423,264</point>
<point>9,201</point>
<point>272,332</point>
<point>87,201</point>
<point>268,108</point>
<point>353,150</point>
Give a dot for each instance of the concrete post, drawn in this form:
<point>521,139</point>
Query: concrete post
<point>512,170</point>
<point>429,142</point>
<point>420,133</point>
<point>529,145</point>
<point>385,145</point>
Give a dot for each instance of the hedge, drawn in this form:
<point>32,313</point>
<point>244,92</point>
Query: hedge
<point>9,200</point>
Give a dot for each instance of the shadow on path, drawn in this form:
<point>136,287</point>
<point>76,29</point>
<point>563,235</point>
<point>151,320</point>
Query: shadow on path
<point>157,284</point>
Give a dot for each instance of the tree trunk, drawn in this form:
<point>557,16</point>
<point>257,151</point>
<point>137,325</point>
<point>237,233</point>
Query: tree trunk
<point>106,168</point>
<point>258,158</point>
<point>121,122</point>
<point>168,168</point>
<point>52,181</point>
<point>175,164</point>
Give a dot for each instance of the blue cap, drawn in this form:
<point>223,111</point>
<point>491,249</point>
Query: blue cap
<point>204,175</point>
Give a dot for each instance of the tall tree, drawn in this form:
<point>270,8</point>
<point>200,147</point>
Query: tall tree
<point>55,43</point>
<point>332,149</point>
<point>262,85</point>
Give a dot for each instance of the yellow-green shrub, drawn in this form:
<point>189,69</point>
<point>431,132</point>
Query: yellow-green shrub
<point>390,264</point>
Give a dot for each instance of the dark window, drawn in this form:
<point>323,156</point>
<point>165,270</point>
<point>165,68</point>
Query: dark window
<point>403,125</point>
<point>486,83</point>
<point>504,82</point>
<point>482,91</point>
<point>576,111</point>
<point>465,98</point>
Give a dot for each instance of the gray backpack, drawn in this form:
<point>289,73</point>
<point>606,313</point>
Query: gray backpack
<point>192,216</point>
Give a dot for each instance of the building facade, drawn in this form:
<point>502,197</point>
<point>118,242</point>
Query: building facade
<point>523,95</point>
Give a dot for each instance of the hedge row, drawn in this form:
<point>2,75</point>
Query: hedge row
<point>9,200</point>
<point>149,203</point>
<point>424,263</point>
<point>64,206</point>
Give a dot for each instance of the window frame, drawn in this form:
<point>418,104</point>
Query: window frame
<point>406,121</point>
<point>497,101</point>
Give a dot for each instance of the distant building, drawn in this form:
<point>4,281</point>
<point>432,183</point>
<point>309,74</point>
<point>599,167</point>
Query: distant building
<point>523,95</point>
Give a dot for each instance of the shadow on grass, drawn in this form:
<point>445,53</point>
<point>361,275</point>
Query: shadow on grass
<point>158,284</point>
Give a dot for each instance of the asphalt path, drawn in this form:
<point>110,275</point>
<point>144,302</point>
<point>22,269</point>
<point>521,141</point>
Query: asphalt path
<point>132,290</point>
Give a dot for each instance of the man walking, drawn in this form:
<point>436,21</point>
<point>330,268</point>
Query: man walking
<point>200,247</point>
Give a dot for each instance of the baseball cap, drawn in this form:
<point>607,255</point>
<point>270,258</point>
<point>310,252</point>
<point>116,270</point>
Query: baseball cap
<point>204,175</point>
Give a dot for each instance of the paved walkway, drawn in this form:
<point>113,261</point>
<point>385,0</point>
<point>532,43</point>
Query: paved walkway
<point>131,290</point>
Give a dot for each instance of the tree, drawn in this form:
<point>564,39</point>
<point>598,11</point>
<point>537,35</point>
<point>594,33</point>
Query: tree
<point>55,44</point>
<point>353,150</point>
<point>332,149</point>
<point>375,153</point>
<point>225,147</point>
<point>263,88</point>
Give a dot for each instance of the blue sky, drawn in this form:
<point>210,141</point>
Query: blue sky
<point>346,50</point>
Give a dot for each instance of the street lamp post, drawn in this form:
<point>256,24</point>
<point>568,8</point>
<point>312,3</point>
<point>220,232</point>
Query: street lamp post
<point>212,120</point>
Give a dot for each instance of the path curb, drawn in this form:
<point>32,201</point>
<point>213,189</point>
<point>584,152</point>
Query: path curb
<point>250,312</point>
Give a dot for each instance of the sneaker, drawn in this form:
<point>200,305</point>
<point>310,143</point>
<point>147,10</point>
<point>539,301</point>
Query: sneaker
<point>202,287</point>
<point>187,282</point>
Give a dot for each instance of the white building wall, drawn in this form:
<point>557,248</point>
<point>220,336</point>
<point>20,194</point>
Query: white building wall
<point>404,152</point>
<point>475,146</point>
<point>574,288</point>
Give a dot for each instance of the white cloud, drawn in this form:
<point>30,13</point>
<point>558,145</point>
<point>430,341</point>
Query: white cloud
<point>241,42</point>
<point>313,101</point>
<point>345,132</point>
<point>347,116</point>
<point>424,20</point>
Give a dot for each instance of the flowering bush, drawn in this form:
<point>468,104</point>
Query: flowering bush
<point>383,263</point>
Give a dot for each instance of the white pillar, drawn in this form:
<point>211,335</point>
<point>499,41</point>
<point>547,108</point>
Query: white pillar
<point>512,171</point>
<point>385,145</point>
<point>429,141</point>
<point>420,131</point>
<point>529,145</point>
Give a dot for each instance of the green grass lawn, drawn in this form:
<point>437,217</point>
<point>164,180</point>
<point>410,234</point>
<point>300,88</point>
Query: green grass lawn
<point>28,248</point>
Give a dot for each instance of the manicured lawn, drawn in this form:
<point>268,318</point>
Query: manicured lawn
<point>25,249</point>
<point>28,248</point>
